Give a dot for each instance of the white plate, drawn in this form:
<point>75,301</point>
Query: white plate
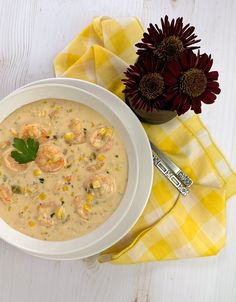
<point>145,171</point>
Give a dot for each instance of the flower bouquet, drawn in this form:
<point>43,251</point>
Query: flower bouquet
<point>169,77</point>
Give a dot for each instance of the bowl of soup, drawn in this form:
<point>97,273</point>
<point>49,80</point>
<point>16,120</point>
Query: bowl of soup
<point>69,169</point>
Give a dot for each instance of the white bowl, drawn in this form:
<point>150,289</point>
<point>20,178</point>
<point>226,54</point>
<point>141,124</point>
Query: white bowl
<point>119,116</point>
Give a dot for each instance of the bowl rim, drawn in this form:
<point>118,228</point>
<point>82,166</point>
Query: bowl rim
<point>34,88</point>
<point>145,177</point>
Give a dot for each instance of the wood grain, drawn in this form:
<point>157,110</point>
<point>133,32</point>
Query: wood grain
<point>31,33</point>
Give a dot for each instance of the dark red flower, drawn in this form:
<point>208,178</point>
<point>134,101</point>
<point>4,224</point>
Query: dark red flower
<point>166,43</point>
<point>145,85</point>
<point>189,82</point>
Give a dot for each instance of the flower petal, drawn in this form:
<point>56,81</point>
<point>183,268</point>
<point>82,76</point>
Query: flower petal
<point>171,95</point>
<point>214,87</point>
<point>208,98</point>
<point>185,107</point>
<point>196,106</point>
<point>213,75</point>
<point>177,101</point>
<point>183,61</point>
<point>169,79</point>
<point>174,68</point>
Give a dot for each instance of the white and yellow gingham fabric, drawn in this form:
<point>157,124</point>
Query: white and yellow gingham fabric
<point>171,226</point>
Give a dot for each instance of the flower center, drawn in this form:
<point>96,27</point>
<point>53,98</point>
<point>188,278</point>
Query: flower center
<point>169,48</point>
<point>151,85</point>
<point>193,82</point>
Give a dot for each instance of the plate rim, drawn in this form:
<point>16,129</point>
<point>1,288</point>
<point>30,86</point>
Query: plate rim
<point>100,233</point>
<point>89,87</point>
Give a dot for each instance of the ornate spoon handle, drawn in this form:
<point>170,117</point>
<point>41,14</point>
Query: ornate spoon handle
<point>161,166</point>
<point>185,179</point>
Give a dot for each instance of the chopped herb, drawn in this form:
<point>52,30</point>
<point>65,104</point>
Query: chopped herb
<point>65,151</point>
<point>54,137</point>
<point>107,172</point>
<point>68,166</point>
<point>51,215</point>
<point>69,110</point>
<point>48,136</point>
<point>41,180</point>
<point>26,151</point>
<point>20,214</point>
<point>67,218</point>
<point>4,178</point>
<point>116,155</point>
<point>85,131</point>
<point>92,156</point>
<point>16,189</point>
<point>62,202</point>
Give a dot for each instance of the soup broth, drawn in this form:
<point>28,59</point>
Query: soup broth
<point>78,176</point>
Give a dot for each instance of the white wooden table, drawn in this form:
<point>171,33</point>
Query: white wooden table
<point>31,33</point>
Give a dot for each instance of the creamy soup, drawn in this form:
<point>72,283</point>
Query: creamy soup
<point>76,178</point>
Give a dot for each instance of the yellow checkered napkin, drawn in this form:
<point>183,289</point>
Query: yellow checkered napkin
<point>171,226</point>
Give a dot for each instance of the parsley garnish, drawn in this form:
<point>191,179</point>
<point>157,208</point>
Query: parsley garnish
<point>41,180</point>
<point>16,189</point>
<point>26,151</point>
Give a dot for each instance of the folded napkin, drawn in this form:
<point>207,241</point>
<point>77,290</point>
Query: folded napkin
<point>171,226</point>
